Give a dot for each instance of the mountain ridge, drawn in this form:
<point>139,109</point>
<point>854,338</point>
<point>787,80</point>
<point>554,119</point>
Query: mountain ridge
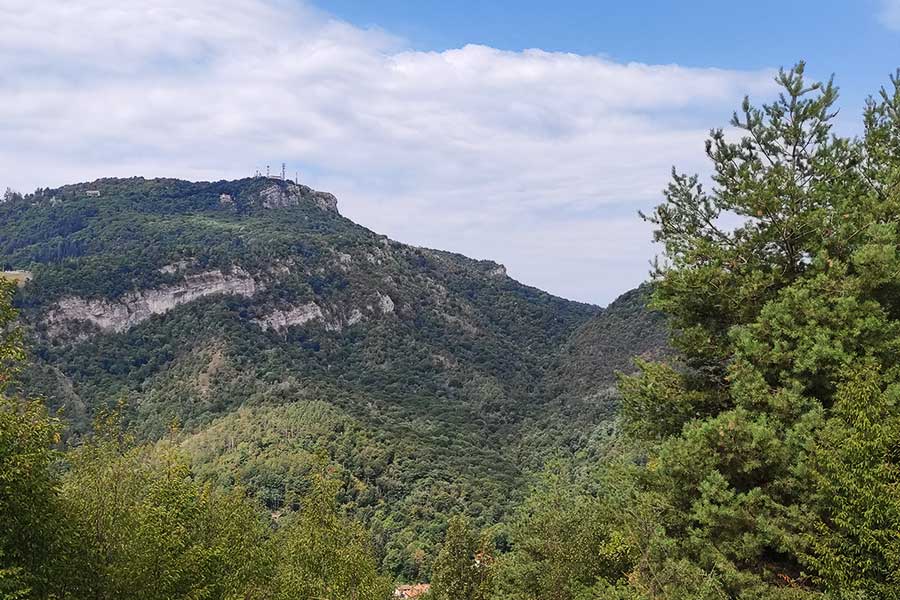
<point>428,379</point>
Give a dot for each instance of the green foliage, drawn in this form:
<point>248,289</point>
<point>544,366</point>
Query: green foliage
<point>11,346</point>
<point>763,460</point>
<point>463,569</point>
<point>321,554</point>
<point>788,178</point>
<point>437,405</point>
<point>660,401</point>
<point>564,539</point>
<point>131,521</point>
<point>273,451</point>
<point>854,544</point>
<point>28,510</point>
<point>141,527</point>
<point>771,440</point>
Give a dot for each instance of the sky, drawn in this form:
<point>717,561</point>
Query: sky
<point>525,132</point>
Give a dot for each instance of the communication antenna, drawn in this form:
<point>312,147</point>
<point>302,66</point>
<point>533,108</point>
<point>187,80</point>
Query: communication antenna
<point>282,171</point>
<point>267,170</point>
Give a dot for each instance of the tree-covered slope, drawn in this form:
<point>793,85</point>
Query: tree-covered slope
<point>269,328</point>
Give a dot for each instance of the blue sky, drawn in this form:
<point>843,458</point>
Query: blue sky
<point>525,132</point>
<point>851,38</point>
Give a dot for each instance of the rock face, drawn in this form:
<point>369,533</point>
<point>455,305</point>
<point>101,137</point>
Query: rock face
<point>298,315</point>
<point>120,315</point>
<point>279,320</point>
<point>325,201</point>
<point>284,195</point>
<point>386,303</point>
<point>175,267</point>
<point>355,317</point>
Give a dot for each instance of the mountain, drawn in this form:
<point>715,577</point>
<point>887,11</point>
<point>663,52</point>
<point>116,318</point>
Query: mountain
<point>277,335</point>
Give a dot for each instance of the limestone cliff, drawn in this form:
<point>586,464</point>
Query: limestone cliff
<point>120,315</point>
<point>283,195</point>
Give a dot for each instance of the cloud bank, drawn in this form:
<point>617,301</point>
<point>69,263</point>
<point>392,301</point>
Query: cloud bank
<point>536,159</point>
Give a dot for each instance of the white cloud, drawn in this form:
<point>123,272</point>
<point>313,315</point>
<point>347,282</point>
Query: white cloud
<point>890,14</point>
<point>533,158</point>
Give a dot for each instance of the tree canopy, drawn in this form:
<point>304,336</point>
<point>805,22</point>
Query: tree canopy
<point>759,460</point>
<point>771,437</point>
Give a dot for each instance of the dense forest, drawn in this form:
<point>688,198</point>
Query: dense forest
<point>272,332</point>
<point>755,455</point>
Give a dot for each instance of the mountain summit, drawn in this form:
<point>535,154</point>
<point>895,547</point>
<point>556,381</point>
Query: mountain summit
<point>278,334</point>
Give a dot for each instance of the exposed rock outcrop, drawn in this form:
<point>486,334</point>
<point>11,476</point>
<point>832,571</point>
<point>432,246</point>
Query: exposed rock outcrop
<point>386,303</point>
<point>175,267</point>
<point>279,320</point>
<point>126,312</point>
<point>298,315</point>
<point>281,195</point>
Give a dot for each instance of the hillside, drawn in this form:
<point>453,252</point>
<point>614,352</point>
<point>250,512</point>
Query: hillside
<point>276,333</point>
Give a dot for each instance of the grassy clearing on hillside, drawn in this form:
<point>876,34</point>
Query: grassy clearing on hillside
<point>19,277</point>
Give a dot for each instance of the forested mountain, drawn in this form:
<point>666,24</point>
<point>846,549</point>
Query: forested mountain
<point>271,331</point>
<point>286,405</point>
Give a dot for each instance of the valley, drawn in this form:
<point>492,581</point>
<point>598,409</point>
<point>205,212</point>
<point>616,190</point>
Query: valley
<point>273,333</point>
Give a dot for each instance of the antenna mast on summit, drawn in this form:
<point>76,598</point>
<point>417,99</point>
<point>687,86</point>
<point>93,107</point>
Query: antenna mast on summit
<point>282,172</point>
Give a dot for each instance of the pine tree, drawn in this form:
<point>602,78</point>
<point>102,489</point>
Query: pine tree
<point>855,542</point>
<point>774,321</point>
